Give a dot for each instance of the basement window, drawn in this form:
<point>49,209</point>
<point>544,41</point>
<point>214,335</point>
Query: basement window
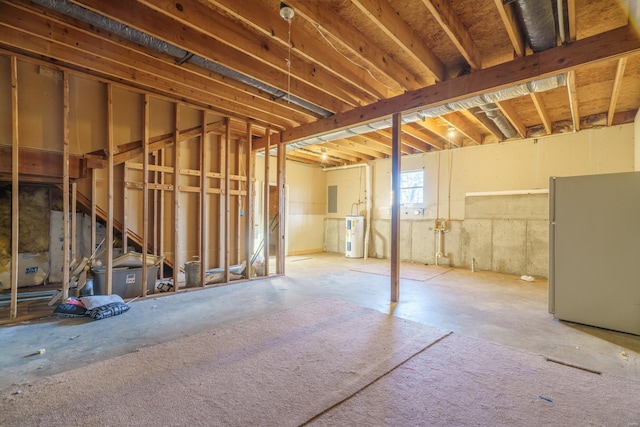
<point>412,188</point>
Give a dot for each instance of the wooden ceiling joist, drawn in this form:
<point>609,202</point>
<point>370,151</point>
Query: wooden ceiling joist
<point>510,20</point>
<point>462,125</point>
<point>374,59</point>
<point>573,100</point>
<point>385,17</point>
<point>271,69</point>
<point>306,43</point>
<point>455,29</point>
<point>536,97</point>
<point>622,63</point>
<point>511,114</point>
<point>601,47</point>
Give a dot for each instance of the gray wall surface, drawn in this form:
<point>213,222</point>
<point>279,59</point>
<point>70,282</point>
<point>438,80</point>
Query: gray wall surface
<point>506,233</point>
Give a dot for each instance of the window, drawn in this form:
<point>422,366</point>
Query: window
<point>412,188</point>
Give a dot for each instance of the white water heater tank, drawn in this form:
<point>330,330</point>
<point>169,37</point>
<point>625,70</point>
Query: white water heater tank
<point>354,242</point>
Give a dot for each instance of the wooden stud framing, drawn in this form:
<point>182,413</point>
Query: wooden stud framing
<point>395,209</point>
<point>237,238</point>
<point>265,203</point>
<point>145,193</point>
<point>110,191</point>
<point>74,221</point>
<point>15,188</point>
<point>280,244</point>
<point>227,198</point>
<point>125,208</point>
<point>94,195</point>
<point>573,100</point>
<point>65,186</point>
<point>622,63</point>
<point>204,204</point>
<point>248,214</point>
<point>160,209</point>
<point>176,197</point>
<point>153,187</point>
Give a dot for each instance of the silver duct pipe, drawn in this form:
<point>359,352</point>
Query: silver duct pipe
<point>516,91</point>
<point>539,24</point>
<point>181,55</point>
<point>493,113</point>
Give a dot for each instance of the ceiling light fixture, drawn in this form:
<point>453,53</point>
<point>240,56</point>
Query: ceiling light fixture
<point>286,12</point>
<point>451,132</point>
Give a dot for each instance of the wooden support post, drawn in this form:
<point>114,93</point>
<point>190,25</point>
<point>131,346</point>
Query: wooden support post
<point>204,211</point>
<point>145,192</point>
<point>176,197</point>
<point>110,188</point>
<point>160,209</point>
<point>93,210</point>
<point>237,234</point>
<point>125,207</point>
<point>248,213</point>
<point>65,185</point>
<point>74,221</point>
<point>280,244</point>
<point>154,206</point>
<point>395,209</point>
<point>15,188</point>
<point>265,197</point>
<point>227,198</point>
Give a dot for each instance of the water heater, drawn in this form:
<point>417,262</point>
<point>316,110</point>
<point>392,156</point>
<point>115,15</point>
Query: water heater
<point>354,242</point>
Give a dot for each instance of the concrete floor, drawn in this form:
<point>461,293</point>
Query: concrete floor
<point>495,307</point>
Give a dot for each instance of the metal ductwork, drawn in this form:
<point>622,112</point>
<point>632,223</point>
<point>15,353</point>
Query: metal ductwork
<point>181,56</point>
<point>539,23</point>
<point>512,92</point>
<point>494,114</point>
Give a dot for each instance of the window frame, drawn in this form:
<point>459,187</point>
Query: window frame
<point>422,188</point>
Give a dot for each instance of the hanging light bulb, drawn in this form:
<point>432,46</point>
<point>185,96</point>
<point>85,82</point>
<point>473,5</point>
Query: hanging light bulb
<point>286,12</point>
<point>452,132</point>
<point>324,154</point>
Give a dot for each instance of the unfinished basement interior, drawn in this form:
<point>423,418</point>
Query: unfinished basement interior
<point>319,212</point>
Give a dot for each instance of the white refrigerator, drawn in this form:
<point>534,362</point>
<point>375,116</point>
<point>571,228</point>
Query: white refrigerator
<point>594,250</point>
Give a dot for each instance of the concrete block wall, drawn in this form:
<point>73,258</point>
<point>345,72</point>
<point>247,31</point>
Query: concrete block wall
<point>504,233</point>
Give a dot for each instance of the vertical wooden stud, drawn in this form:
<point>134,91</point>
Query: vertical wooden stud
<point>145,192</point>
<point>176,197</point>
<point>227,198</point>
<point>237,234</point>
<point>125,208</point>
<point>280,244</point>
<point>110,191</point>
<point>74,221</point>
<point>248,245</point>
<point>204,211</point>
<point>395,209</point>
<point>94,208</point>
<point>65,184</point>
<point>15,188</point>
<point>265,197</point>
<point>160,209</point>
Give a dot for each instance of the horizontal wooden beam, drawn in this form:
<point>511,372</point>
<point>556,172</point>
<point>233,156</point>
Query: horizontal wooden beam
<point>605,46</point>
<point>36,164</point>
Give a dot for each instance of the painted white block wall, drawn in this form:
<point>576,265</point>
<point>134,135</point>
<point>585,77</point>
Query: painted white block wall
<point>513,237</point>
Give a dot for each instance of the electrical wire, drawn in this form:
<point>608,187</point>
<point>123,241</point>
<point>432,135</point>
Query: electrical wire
<point>349,59</point>
<point>289,65</point>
